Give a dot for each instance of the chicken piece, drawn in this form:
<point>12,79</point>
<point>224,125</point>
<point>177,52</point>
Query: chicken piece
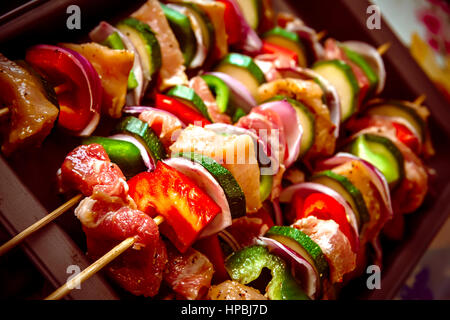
<point>172,70</point>
<point>334,244</point>
<point>309,93</point>
<point>88,169</point>
<point>165,125</point>
<point>233,290</point>
<point>202,90</point>
<point>189,274</point>
<point>106,222</point>
<point>113,67</point>
<point>32,112</point>
<point>235,152</point>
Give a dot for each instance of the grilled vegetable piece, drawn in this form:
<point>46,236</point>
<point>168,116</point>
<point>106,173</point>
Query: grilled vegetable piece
<point>189,97</point>
<point>289,40</point>
<point>172,61</point>
<point>187,209</point>
<point>182,111</point>
<point>144,134</point>
<point>233,192</point>
<point>146,44</point>
<point>348,190</point>
<point>252,10</point>
<point>340,75</point>
<point>113,67</point>
<point>242,68</point>
<point>246,265</point>
<point>32,112</point>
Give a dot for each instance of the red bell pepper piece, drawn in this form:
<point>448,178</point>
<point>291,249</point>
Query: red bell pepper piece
<point>210,247</point>
<point>179,109</point>
<point>232,25</point>
<point>325,207</point>
<point>406,137</point>
<point>270,48</point>
<point>73,87</point>
<point>186,208</point>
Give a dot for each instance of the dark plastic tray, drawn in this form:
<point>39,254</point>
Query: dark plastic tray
<point>27,186</point>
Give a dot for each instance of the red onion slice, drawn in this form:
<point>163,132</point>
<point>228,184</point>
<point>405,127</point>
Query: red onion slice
<point>99,35</point>
<point>250,42</point>
<point>209,184</point>
<point>148,161</point>
<point>309,35</point>
<point>372,57</point>
<point>93,82</point>
<point>293,129</point>
<point>300,268</point>
<point>331,95</point>
<point>376,176</point>
<point>306,188</point>
<point>240,96</point>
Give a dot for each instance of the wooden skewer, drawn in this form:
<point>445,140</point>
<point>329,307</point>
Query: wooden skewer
<point>96,266</point>
<point>321,35</point>
<point>383,48</point>
<point>4,112</point>
<point>420,99</point>
<point>39,224</point>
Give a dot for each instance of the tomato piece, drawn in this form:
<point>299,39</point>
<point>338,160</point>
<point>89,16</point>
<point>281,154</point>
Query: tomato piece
<point>407,137</point>
<point>325,207</point>
<point>270,48</point>
<point>186,208</point>
<point>210,247</point>
<point>76,84</point>
<point>180,110</point>
<point>233,25</point>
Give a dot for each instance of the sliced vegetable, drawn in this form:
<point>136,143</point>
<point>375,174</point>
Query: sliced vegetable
<point>246,266</point>
<point>373,58</point>
<point>365,67</point>
<point>289,40</point>
<point>220,91</point>
<point>146,158</point>
<point>233,29</point>
<point>325,207</point>
<point>207,182</point>
<point>238,114</point>
<point>271,48</point>
<point>300,268</point>
<point>145,42</point>
<point>340,75</point>
<point>265,186</point>
<point>233,192</point>
<point>189,97</point>
<point>396,109</point>
<point>302,190</point>
<point>292,128</point>
<point>185,113</point>
<point>307,122</point>
<point>348,191</point>
<point>240,97</point>
<point>251,10</point>
<point>78,86</point>
<point>181,27</point>
<point>144,134</point>
<point>303,245</point>
<point>123,153</point>
<point>243,69</point>
<point>113,38</point>
<point>382,153</point>
<point>186,208</point>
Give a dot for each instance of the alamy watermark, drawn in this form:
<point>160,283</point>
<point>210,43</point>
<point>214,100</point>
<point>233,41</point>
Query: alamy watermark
<point>74,20</point>
<point>374,19</point>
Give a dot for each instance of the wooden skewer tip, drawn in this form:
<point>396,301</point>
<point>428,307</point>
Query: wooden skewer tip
<point>383,48</point>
